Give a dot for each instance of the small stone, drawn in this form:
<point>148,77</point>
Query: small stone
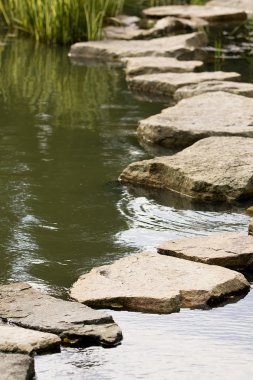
<point>169,83</point>
<point>154,283</point>
<point>230,250</point>
<point>16,367</point>
<point>213,169</point>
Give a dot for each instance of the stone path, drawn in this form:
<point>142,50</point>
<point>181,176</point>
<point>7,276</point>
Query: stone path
<point>230,250</point>
<point>156,284</point>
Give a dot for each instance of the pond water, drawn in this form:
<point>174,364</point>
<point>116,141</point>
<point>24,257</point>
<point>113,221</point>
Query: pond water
<point>66,132</point>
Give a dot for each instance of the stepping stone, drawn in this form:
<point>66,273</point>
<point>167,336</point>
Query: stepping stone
<point>154,283</point>
<point>243,5</point>
<point>210,114</point>
<point>150,65</point>
<point>212,14</point>
<point>230,250</point>
<point>185,46</point>
<point>216,168</point>
<point>244,89</point>
<point>16,367</point>
<point>16,339</point>
<point>168,83</point>
<point>26,307</point>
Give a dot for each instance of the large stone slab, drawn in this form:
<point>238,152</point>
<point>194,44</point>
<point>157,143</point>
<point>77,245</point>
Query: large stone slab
<point>216,168</point>
<point>16,367</point>
<point>157,284</point>
<point>24,306</point>
<point>230,250</point>
<point>243,5</point>
<point>238,88</point>
<point>150,65</point>
<point>169,83</point>
<point>210,114</point>
<point>186,46</point>
<point>212,14</point>
<point>19,340</point>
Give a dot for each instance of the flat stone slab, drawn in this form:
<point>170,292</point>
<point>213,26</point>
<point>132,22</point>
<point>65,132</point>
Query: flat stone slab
<point>154,283</point>
<point>212,14</point>
<point>186,46</point>
<point>18,340</point>
<point>169,83</point>
<point>210,114</point>
<point>24,306</point>
<point>238,88</point>
<point>230,250</point>
<point>16,367</point>
<point>150,65</point>
<point>216,168</point>
<point>243,5</point>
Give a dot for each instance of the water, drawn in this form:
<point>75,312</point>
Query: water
<point>66,133</point>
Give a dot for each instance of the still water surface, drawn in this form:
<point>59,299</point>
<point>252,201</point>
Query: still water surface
<point>66,132</point>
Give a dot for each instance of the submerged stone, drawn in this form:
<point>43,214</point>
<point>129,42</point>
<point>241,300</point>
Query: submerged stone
<point>153,283</point>
<point>212,14</point>
<point>169,83</point>
<point>210,114</point>
<point>26,307</point>
<point>17,339</point>
<point>150,65</point>
<point>238,88</point>
<point>230,250</point>
<point>16,367</point>
<point>215,168</point>
<point>186,46</point>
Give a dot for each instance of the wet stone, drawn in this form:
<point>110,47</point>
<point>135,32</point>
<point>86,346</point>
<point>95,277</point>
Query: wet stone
<point>16,367</point>
<point>169,83</point>
<point>213,169</point>
<point>238,88</point>
<point>150,65</point>
<point>19,340</point>
<point>210,114</point>
<point>154,283</point>
<point>26,307</point>
<point>185,46</point>
<point>230,250</point>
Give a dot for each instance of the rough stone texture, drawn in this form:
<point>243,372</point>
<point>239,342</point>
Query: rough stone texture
<point>245,89</point>
<point>250,230</point>
<point>216,168</point>
<point>168,83</point>
<point>230,250</point>
<point>185,46</point>
<point>16,367</point>
<point>245,5</point>
<point>158,284</point>
<point>24,306</point>
<point>150,65</point>
<point>16,339</point>
<point>212,14</point>
<point>210,114</point>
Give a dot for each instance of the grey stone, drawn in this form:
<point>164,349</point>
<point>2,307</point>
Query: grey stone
<point>216,168</point>
<point>181,46</point>
<point>150,65</point>
<point>24,306</point>
<point>230,250</point>
<point>157,284</point>
<point>16,367</point>
<point>212,14</point>
<point>243,5</point>
<point>210,114</point>
<point>169,83</point>
<point>250,230</point>
<point>19,340</point>
<point>238,88</point>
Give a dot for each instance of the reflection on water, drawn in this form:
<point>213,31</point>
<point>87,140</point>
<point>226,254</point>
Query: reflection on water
<point>66,132</point>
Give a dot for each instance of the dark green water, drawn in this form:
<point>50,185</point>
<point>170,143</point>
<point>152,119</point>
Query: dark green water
<point>66,132</point>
